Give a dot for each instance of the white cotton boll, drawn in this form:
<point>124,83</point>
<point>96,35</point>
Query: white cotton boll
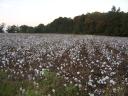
<point>71,82</point>
<point>118,63</point>
<point>17,73</point>
<point>73,61</point>
<point>104,63</point>
<point>42,71</point>
<point>53,90</point>
<point>77,94</point>
<point>23,91</point>
<point>79,81</point>
<point>33,78</point>
<point>102,66</point>
<point>89,77</point>
<point>81,64</point>
<point>66,78</point>
<point>21,61</point>
<point>50,65</point>
<point>49,94</point>
<point>35,83</point>
<point>30,69</point>
<point>61,67</point>
<point>20,66</point>
<point>90,83</point>
<point>36,71</point>
<point>79,85</point>
<point>29,77</point>
<point>105,78</point>
<point>112,73</point>
<point>92,70</point>
<point>110,68</point>
<point>112,82</point>
<point>3,62</point>
<point>91,94</point>
<point>48,55</point>
<point>20,88</point>
<point>7,61</point>
<point>40,66</point>
<point>76,79</point>
<point>126,79</point>
<point>47,67</point>
<point>21,72</point>
<point>85,89</point>
<point>76,85</point>
<point>100,81</point>
<point>102,72</point>
<point>108,58</point>
<point>105,82</point>
<point>65,85</point>
<point>82,59</point>
<point>78,73</point>
<point>58,68</point>
<point>96,78</point>
<point>97,61</point>
<point>92,62</point>
<point>114,90</point>
<point>13,54</point>
<point>78,59</point>
<point>58,74</point>
<point>111,51</point>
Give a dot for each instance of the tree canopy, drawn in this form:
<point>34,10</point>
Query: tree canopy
<point>112,23</point>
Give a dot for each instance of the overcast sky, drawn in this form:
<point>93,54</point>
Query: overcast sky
<point>34,12</point>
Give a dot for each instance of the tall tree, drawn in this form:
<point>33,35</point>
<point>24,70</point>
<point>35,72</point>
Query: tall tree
<point>79,24</point>
<point>26,29</point>
<point>40,28</point>
<point>12,29</point>
<point>60,25</point>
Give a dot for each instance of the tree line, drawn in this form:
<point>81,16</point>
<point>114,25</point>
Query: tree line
<point>111,23</point>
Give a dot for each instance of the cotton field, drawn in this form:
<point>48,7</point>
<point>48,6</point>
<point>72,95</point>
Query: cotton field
<point>96,65</point>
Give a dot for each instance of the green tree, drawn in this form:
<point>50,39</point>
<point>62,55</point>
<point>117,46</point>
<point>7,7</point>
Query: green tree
<point>40,28</point>
<point>12,29</point>
<point>79,24</point>
<point>26,29</point>
<point>60,25</point>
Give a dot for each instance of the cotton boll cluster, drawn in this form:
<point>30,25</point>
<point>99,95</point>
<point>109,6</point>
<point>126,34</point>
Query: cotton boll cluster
<point>89,62</point>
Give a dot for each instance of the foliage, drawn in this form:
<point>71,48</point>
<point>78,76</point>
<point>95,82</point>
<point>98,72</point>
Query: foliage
<point>112,23</point>
<point>60,25</point>
<point>50,85</point>
<point>26,29</point>
<point>12,29</point>
<point>7,87</point>
<point>40,28</point>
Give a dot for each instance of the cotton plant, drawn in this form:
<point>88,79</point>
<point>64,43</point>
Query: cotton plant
<point>85,61</point>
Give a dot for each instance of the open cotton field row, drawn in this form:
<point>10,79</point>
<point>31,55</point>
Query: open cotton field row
<point>70,65</point>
